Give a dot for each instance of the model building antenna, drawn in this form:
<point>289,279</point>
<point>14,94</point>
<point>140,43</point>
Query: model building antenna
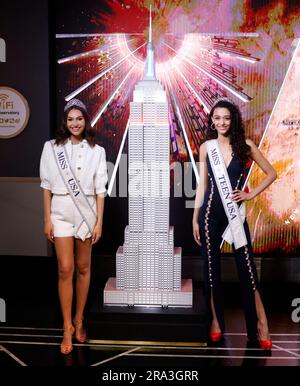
<point>150,63</point>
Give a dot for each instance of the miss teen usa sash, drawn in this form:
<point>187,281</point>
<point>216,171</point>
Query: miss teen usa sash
<point>80,200</point>
<point>235,232</point>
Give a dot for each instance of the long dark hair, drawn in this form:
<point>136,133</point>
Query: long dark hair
<point>62,133</point>
<point>236,132</point>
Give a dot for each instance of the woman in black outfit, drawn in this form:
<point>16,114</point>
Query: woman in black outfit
<point>209,219</point>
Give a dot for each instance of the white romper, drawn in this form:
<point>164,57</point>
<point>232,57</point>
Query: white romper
<point>87,164</point>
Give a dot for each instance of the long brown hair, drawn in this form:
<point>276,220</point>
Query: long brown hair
<point>236,132</point>
<point>62,133</point>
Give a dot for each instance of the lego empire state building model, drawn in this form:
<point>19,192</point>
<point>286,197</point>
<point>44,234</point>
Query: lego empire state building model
<point>148,267</point>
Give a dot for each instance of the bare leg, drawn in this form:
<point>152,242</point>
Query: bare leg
<point>83,269</point>
<point>215,327</point>
<point>65,255</point>
<point>262,324</point>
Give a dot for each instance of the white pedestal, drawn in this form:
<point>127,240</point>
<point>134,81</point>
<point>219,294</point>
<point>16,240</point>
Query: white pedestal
<point>153,298</point>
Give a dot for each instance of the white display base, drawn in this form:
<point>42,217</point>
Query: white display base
<point>154,298</point>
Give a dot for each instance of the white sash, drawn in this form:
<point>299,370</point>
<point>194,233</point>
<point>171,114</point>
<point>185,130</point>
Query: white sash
<point>235,232</point>
<point>89,216</point>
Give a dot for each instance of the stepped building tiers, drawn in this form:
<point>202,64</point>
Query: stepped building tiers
<point>148,267</point>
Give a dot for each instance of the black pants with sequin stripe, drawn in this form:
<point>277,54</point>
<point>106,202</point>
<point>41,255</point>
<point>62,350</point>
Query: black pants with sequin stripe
<point>211,231</point>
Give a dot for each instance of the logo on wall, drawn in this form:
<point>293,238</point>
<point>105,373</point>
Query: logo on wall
<point>2,50</point>
<point>14,112</point>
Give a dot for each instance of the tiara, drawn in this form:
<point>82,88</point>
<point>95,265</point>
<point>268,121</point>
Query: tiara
<point>75,103</point>
<point>221,99</point>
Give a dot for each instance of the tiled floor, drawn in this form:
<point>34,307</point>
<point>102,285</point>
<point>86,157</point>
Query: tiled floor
<point>32,334</point>
<point>30,345</point>
<point>21,346</point>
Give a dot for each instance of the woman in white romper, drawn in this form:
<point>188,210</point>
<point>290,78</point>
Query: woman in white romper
<point>63,221</point>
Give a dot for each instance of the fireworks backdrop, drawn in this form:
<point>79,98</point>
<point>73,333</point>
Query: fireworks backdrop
<point>203,49</point>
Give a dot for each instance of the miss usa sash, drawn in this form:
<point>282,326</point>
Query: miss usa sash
<point>235,233</point>
<point>80,200</point>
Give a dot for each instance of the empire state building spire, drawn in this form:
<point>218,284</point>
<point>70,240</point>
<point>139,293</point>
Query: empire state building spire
<point>150,64</point>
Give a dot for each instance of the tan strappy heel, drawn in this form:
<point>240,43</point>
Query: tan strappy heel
<point>80,332</point>
<point>68,334</point>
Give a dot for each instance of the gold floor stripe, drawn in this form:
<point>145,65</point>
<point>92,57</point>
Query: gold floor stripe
<point>147,343</point>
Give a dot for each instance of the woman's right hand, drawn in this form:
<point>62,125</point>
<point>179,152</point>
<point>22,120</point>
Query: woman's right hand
<point>48,231</point>
<point>196,232</point>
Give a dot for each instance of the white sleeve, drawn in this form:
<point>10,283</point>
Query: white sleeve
<point>101,173</point>
<point>44,168</point>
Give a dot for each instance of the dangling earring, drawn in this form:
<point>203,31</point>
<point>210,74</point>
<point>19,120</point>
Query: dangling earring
<point>212,126</point>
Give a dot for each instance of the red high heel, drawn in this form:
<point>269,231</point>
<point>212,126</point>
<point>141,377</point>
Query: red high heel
<point>265,344</point>
<point>215,336</point>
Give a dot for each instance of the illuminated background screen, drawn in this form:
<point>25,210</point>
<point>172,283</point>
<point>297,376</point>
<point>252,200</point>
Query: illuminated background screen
<point>245,50</point>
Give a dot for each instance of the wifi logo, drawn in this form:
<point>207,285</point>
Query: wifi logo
<point>2,51</point>
<point>3,97</point>
<point>5,103</point>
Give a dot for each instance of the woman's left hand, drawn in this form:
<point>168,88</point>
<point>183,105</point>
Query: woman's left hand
<point>97,232</point>
<point>240,195</point>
